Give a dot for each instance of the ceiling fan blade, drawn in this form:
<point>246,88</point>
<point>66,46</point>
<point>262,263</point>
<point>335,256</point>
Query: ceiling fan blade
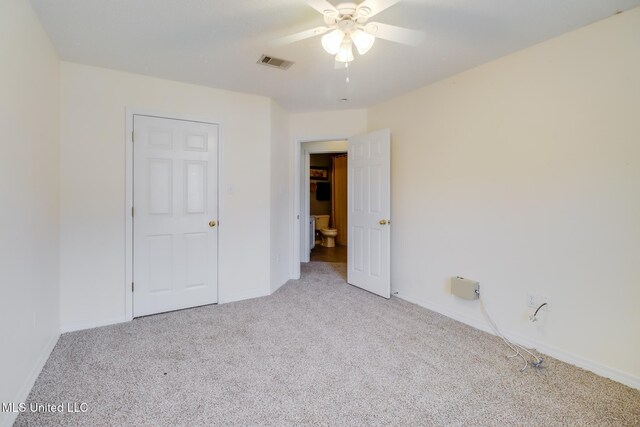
<point>374,7</point>
<point>292,38</point>
<point>395,34</point>
<point>322,6</point>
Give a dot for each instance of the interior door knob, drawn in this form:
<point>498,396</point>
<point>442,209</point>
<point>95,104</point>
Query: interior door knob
<point>212,224</point>
<point>383,222</point>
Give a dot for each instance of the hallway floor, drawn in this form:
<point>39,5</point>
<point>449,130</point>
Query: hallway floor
<point>322,254</point>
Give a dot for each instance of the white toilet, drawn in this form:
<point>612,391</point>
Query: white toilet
<point>328,234</point>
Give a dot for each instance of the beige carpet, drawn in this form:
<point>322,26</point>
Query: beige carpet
<point>317,352</point>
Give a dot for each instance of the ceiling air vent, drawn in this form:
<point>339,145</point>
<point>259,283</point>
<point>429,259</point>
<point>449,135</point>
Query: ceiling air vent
<point>270,61</point>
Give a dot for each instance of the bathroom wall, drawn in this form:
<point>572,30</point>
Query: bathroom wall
<point>320,207</point>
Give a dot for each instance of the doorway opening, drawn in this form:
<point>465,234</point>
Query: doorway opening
<point>328,207</point>
<point>368,208</point>
<point>326,149</point>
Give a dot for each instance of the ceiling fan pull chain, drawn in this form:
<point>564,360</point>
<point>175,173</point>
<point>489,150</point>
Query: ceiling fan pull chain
<point>346,65</point>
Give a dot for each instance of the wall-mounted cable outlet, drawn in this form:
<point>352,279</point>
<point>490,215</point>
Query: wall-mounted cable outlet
<point>531,301</point>
<point>534,301</point>
<point>547,300</point>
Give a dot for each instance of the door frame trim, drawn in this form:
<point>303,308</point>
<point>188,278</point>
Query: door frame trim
<point>296,214</point>
<point>317,147</point>
<point>130,112</point>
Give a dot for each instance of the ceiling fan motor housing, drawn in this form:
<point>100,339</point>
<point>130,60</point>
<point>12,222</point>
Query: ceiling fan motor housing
<point>347,26</point>
<point>347,9</point>
<point>346,12</point>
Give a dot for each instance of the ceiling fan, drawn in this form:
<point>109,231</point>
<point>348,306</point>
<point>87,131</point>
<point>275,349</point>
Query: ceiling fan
<point>347,24</point>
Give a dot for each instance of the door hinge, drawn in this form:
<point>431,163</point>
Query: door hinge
<point>132,287</point>
<point>132,211</point>
<point>133,136</point>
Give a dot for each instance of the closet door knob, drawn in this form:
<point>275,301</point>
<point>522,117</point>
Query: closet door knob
<point>383,222</point>
<point>212,224</point>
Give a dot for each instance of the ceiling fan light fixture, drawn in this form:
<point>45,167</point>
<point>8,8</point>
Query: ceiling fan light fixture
<point>345,54</point>
<point>363,41</point>
<point>332,41</point>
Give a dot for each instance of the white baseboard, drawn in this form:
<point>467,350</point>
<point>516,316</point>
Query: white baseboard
<point>79,326</point>
<point>556,353</point>
<point>8,418</point>
<point>241,297</point>
<point>279,285</point>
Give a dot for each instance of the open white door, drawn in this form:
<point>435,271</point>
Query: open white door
<point>369,176</point>
<point>175,235</point>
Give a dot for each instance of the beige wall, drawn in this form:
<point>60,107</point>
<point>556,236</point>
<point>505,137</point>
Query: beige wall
<point>280,194</point>
<point>524,174</point>
<point>326,125</point>
<point>29,283</point>
<point>93,186</point>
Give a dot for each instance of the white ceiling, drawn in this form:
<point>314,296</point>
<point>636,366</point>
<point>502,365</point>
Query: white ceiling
<point>217,42</point>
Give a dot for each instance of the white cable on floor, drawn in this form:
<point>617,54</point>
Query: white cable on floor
<point>513,346</point>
